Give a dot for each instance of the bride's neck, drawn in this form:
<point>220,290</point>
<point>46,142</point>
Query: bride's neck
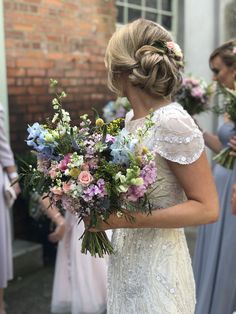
<point>143,102</point>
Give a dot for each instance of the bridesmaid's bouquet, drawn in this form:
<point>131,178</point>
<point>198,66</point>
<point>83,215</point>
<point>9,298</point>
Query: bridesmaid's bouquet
<point>116,109</point>
<point>95,170</point>
<point>224,158</point>
<point>194,95</point>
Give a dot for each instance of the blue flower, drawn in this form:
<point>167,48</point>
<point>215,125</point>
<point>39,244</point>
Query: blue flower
<point>38,139</point>
<point>34,130</point>
<point>122,147</point>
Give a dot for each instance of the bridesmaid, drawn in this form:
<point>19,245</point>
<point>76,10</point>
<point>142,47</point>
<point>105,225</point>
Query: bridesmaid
<point>7,164</point>
<point>215,253</point>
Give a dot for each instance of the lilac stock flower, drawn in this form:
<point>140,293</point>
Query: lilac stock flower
<point>135,192</point>
<point>149,173</point>
<point>110,139</point>
<point>98,190</point>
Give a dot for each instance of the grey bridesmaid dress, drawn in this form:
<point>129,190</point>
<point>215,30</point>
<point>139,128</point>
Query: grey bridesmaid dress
<point>214,260</point>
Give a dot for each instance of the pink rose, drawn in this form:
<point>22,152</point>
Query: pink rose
<point>197,92</point>
<point>170,44</point>
<point>85,177</point>
<point>66,186</point>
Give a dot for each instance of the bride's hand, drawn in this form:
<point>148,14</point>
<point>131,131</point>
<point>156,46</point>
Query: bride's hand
<point>102,225</point>
<point>115,221</point>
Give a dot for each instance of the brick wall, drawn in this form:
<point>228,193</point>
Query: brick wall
<point>61,39</point>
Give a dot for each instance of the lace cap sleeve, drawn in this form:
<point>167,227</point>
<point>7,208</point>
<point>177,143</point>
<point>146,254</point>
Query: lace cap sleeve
<point>176,136</point>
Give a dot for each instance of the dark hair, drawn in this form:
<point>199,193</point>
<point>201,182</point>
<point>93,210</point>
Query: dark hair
<point>227,52</point>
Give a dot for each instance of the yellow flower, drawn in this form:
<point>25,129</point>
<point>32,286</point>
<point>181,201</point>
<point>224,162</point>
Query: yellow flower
<point>145,150</point>
<point>99,122</point>
<point>74,172</point>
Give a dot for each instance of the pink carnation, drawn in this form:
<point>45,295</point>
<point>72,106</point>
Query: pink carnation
<point>66,187</point>
<point>63,163</point>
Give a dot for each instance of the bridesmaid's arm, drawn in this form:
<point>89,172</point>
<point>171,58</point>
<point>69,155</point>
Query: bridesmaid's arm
<point>212,141</point>
<point>54,214</point>
<point>202,206</point>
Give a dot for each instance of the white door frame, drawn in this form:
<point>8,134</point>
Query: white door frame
<point>3,76</point>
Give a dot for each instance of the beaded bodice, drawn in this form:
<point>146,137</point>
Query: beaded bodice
<point>151,273</point>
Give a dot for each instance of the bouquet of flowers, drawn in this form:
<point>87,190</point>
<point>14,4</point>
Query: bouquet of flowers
<point>224,158</point>
<point>194,95</point>
<point>116,109</point>
<point>92,170</point>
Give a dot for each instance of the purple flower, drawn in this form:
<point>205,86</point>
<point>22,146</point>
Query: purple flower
<point>98,190</point>
<point>135,192</point>
<point>149,173</point>
<point>110,138</point>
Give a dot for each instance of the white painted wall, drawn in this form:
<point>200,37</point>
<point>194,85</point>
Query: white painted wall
<point>3,83</point>
<point>200,38</point>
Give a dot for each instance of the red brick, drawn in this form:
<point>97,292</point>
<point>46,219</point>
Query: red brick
<point>34,63</point>
<point>36,72</point>
<point>55,39</point>
<point>16,90</point>
<point>37,90</point>
<point>11,72</point>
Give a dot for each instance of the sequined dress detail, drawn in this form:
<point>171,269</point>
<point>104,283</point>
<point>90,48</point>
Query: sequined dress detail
<point>151,272</point>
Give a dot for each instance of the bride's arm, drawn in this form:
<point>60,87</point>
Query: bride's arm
<point>202,206</point>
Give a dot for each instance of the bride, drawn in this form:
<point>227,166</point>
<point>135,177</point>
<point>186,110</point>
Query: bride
<point>150,272</point>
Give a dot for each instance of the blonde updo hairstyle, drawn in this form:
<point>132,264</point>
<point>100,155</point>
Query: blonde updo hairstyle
<point>130,50</point>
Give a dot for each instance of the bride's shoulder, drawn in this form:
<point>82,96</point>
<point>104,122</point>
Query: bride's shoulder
<point>175,119</point>
<point>176,135</point>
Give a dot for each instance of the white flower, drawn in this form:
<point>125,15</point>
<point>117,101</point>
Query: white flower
<point>56,115</point>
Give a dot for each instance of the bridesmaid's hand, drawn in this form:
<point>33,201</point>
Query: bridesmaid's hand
<point>233,200</point>
<point>16,187</point>
<point>59,232</point>
<point>232,144</point>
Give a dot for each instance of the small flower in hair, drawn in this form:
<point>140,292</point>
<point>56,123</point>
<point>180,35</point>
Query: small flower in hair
<point>175,48</point>
<point>168,47</point>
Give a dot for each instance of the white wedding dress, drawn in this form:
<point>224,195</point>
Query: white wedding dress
<point>151,272</point>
